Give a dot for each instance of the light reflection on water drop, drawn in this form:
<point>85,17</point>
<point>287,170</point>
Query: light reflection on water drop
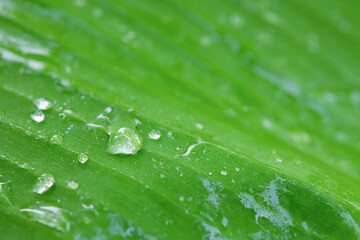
<point>42,104</point>
<point>124,141</point>
<point>82,158</point>
<point>154,134</point>
<point>38,116</point>
<point>43,183</point>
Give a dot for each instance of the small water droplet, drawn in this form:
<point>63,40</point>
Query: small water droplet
<point>237,169</point>
<point>162,175</point>
<point>43,183</point>
<point>57,140</point>
<point>224,221</point>
<point>154,134</point>
<point>42,104</point>
<point>181,198</point>
<point>82,158</point>
<point>72,185</point>
<point>199,126</point>
<point>108,110</point>
<point>223,172</point>
<point>38,116</point>
<point>48,215</point>
<point>124,141</point>
<point>137,122</point>
<point>210,173</point>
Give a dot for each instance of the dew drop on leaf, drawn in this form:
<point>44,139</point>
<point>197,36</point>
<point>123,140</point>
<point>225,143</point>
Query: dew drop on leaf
<point>154,134</point>
<point>38,116</point>
<point>57,140</point>
<point>42,104</point>
<point>43,183</point>
<point>72,185</point>
<point>223,173</point>
<point>82,158</point>
<point>124,141</point>
<point>48,215</point>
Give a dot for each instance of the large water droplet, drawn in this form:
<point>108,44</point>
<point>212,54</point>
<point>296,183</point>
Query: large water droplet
<point>38,116</point>
<point>154,134</point>
<point>42,104</point>
<point>124,141</point>
<point>48,215</point>
<point>43,183</point>
<point>82,158</point>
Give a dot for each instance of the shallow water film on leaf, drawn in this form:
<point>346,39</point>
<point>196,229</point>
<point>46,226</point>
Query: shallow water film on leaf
<point>179,119</point>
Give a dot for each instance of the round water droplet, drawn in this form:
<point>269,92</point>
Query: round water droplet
<point>237,169</point>
<point>124,141</point>
<point>154,134</point>
<point>72,185</point>
<point>43,183</point>
<point>162,175</point>
<point>57,140</point>
<point>38,116</point>
<point>42,104</point>
<point>223,172</point>
<point>181,198</point>
<point>82,158</point>
<point>50,216</point>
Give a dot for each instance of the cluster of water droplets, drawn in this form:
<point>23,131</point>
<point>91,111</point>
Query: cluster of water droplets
<point>41,104</point>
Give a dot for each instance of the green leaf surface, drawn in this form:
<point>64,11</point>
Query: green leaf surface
<point>179,119</point>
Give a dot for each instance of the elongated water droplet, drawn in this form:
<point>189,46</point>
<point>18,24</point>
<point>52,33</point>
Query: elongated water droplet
<point>50,216</point>
<point>43,183</point>
<point>124,141</point>
<point>223,172</point>
<point>82,158</point>
<point>72,185</point>
<point>154,134</point>
<point>42,104</point>
<point>57,140</point>
<point>38,116</point>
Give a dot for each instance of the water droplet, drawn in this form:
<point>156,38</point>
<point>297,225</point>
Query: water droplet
<point>48,215</point>
<point>38,116</point>
<point>237,169</point>
<point>224,221</point>
<point>223,172</point>
<point>43,104</point>
<point>199,126</point>
<point>82,158</point>
<point>137,122</point>
<point>162,175</point>
<point>154,134</point>
<point>43,183</point>
<point>57,140</point>
<point>108,110</point>
<point>210,173</point>
<point>124,141</point>
<point>72,185</point>
<point>181,198</point>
